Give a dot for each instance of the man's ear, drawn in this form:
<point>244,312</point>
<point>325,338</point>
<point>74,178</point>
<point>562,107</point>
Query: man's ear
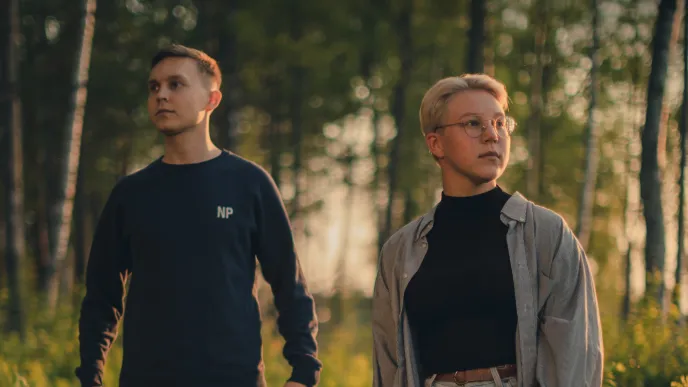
<point>214,100</point>
<point>434,145</point>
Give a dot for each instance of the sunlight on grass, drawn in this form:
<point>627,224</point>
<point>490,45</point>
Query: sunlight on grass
<point>646,351</point>
<point>49,356</point>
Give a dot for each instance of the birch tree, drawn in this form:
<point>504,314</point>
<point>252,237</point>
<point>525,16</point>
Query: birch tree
<point>70,151</point>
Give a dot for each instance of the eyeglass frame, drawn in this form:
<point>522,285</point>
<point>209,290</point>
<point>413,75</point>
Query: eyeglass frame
<point>463,124</point>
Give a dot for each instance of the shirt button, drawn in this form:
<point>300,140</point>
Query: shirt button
<point>405,275</point>
<point>522,219</point>
<point>424,244</point>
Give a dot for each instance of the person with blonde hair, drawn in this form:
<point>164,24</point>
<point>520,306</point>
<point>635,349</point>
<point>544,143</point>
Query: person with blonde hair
<point>487,288</point>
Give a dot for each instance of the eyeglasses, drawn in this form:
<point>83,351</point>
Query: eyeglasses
<point>475,126</point>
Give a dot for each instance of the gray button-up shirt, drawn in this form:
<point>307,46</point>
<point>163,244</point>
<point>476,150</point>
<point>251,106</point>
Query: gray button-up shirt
<point>558,337</point>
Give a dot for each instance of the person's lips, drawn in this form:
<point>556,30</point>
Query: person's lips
<point>490,154</point>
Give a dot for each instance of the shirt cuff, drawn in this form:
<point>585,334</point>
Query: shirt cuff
<point>90,376</point>
<point>309,377</point>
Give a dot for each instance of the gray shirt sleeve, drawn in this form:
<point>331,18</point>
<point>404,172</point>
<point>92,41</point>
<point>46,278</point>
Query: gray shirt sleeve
<point>570,349</point>
<point>384,325</point>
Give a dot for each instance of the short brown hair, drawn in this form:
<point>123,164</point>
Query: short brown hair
<point>206,64</point>
<point>435,101</point>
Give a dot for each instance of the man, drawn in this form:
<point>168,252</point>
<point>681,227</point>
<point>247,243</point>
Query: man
<point>187,229</point>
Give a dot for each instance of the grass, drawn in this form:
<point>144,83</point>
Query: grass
<point>50,353</point>
<point>648,350</point>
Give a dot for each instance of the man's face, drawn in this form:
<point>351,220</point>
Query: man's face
<point>179,96</point>
<point>478,158</point>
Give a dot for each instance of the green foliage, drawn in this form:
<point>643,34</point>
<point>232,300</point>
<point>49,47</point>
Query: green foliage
<point>345,351</point>
<point>348,57</point>
<point>646,350</point>
<point>51,353</point>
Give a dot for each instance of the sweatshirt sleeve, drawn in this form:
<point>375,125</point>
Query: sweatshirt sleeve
<point>108,268</point>
<point>280,266</point>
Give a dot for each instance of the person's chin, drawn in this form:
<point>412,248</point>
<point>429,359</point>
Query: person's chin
<point>170,132</point>
<point>489,174</point>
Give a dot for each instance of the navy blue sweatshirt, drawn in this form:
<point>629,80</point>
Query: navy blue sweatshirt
<point>187,238</point>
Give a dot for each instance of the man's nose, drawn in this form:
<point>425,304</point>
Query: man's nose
<point>163,94</point>
<point>490,133</point>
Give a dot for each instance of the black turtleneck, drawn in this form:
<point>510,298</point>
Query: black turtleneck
<point>461,302</point>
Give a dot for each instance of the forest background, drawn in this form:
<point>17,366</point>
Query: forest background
<point>325,96</point>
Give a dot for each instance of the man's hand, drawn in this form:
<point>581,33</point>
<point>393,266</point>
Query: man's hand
<point>294,384</point>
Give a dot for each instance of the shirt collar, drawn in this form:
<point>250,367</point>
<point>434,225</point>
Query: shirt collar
<point>514,209</point>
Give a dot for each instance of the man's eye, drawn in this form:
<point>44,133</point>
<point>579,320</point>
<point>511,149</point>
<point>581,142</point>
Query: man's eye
<point>174,84</point>
<point>474,123</point>
<point>152,88</point>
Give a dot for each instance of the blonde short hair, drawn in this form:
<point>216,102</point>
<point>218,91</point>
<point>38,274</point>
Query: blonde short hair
<point>434,104</point>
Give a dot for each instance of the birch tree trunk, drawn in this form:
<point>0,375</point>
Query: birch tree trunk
<point>341,285</point>
<point>70,151</point>
<point>536,104</point>
<point>11,123</point>
<point>403,28</point>
<point>476,37</point>
<point>650,183</point>
<point>680,252</point>
<point>296,73</point>
<point>592,158</point>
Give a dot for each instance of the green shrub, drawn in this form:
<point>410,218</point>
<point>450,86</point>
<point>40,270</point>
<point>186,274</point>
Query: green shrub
<point>50,354</point>
<point>646,351</point>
